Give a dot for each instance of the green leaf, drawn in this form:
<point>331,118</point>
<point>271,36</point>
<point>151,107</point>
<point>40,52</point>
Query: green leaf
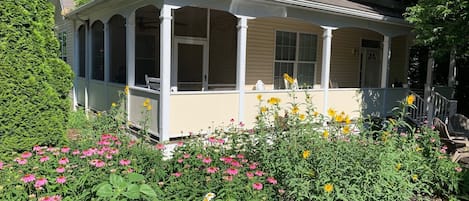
<point>105,191</point>
<point>147,190</point>
<point>133,192</point>
<point>118,181</point>
<point>135,177</point>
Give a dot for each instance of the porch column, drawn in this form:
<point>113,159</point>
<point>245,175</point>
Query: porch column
<point>165,72</point>
<point>326,63</point>
<point>88,62</point>
<point>107,53</point>
<point>241,64</point>
<point>386,61</point>
<point>428,88</point>
<point>75,64</point>
<point>452,70</point>
<point>130,54</point>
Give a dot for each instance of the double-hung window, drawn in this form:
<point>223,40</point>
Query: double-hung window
<point>63,46</point>
<point>295,54</point>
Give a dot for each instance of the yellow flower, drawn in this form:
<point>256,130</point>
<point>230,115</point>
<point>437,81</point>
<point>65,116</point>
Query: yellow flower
<point>415,177</point>
<point>418,149</point>
<point>264,109</point>
<point>288,78</point>
<point>146,102</point>
<point>274,101</point>
<point>295,109</point>
<point>346,130</point>
<point>325,134</point>
<point>302,117</point>
<point>126,90</point>
<point>398,166</point>
<point>113,104</point>
<point>339,118</point>
<point>306,154</point>
<point>315,113</point>
<point>149,107</point>
<point>209,196</point>
<point>328,188</point>
<point>347,120</point>
<point>259,97</point>
<point>331,112</point>
<point>410,99</point>
<point>98,114</point>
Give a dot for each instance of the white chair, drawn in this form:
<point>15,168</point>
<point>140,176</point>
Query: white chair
<point>152,82</point>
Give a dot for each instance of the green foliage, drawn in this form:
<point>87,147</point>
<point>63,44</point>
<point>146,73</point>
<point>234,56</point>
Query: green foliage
<point>130,187</point>
<point>81,2</point>
<point>34,83</point>
<point>441,24</point>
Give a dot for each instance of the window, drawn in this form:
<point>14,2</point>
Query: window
<point>81,51</point>
<point>97,52</point>
<point>295,54</point>
<point>117,38</point>
<point>63,46</point>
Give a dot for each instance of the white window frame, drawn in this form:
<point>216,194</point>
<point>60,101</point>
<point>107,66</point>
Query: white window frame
<point>297,51</point>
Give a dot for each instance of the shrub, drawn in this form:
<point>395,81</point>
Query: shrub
<point>34,83</point>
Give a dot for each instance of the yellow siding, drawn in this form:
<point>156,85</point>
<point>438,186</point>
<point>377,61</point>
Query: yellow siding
<point>398,68</point>
<point>345,59</point>
<point>261,47</point>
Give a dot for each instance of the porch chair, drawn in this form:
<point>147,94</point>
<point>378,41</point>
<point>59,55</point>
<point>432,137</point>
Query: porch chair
<point>459,125</point>
<point>152,82</point>
<point>457,145</point>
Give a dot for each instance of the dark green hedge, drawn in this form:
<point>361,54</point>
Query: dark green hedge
<point>34,82</point>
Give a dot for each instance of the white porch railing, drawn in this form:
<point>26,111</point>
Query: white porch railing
<point>435,106</point>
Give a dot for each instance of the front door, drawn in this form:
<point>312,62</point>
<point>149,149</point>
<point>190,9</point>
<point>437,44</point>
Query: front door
<point>191,62</point>
<point>370,67</point>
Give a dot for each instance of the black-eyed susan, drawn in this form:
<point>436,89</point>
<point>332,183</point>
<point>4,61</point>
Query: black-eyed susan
<point>113,104</point>
<point>328,188</point>
<point>347,120</point>
<point>259,97</point>
<point>302,117</point>
<point>316,113</point>
<point>149,107</point>
<point>306,154</point>
<point>325,134</point>
<point>346,129</point>
<point>410,99</point>
<point>274,101</point>
<point>288,78</point>
<point>263,109</point>
<point>295,109</point>
<point>398,166</point>
<point>146,102</point>
<point>331,112</point>
<point>126,90</point>
<point>415,177</point>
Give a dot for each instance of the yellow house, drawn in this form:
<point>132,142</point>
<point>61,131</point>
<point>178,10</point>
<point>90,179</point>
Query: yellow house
<point>203,62</point>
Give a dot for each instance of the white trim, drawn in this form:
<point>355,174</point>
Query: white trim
<point>326,63</point>
<point>385,61</point>
<point>241,64</point>
<point>76,64</point>
<point>165,72</point>
<point>130,54</point>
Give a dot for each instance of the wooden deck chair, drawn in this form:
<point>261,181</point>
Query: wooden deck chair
<point>152,82</point>
<point>458,146</point>
<point>459,125</point>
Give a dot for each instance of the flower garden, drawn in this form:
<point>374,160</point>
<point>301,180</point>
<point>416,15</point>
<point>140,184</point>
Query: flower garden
<point>293,153</point>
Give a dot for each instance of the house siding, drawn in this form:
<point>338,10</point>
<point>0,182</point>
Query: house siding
<point>260,48</point>
<point>345,59</point>
<point>62,25</point>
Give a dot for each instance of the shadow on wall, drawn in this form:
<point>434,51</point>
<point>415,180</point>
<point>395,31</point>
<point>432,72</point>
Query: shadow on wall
<point>380,102</point>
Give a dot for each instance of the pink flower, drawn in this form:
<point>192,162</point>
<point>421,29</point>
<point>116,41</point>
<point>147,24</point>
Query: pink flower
<point>244,161</point>
<point>253,166</point>
<point>259,173</point>
<point>226,159</point>
<point>212,170</point>
<point>186,156</point>
<point>60,169</point>
<point>65,150</point>
<point>1,165</point>
<point>40,152</point>
<point>241,124</point>
<point>443,151</point>
<point>40,182</point>
<point>207,160</point>
<point>51,149</point>
<point>180,160</point>
<point>61,179</point>
<point>76,152</point>
<point>44,159</point>
<point>124,162</point>
<point>231,171</point>
<point>250,175</point>
<point>271,180</point>
<point>37,148</point>
<point>131,143</point>
<point>28,178</point>
<point>104,142</point>
<point>159,146</point>
<point>21,161</point>
<point>432,140</point>
<point>118,143</point>
<point>87,152</point>
<point>240,156</point>
<point>232,120</point>
<point>235,163</point>
<point>108,156</point>
<point>130,170</point>
<point>257,186</point>
<point>63,161</point>
<point>93,162</point>
<point>221,141</point>
<point>26,154</point>
<point>228,178</point>
<point>458,169</point>
<point>212,139</point>
<point>100,163</point>
<point>199,156</point>
<point>114,151</point>
<point>177,174</point>
<point>180,143</point>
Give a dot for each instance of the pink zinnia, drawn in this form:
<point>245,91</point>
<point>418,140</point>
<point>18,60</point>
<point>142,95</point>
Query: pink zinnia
<point>177,174</point>
<point>159,146</point>
<point>26,154</point>
<point>28,178</point>
<point>259,173</point>
<point>76,152</point>
<point>232,171</point>
<point>212,139</point>
<point>212,170</point>
<point>21,161</point>
<point>250,175</point>
<point>65,149</point>
<point>271,180</point>
<point>40,182</point>
<point>61,179</point>
<point>60,169</point>
<point>207,160</point>
<point>63,161</point>
<point>257,186</point>
<point>124,162</point>
<point>44,159</point>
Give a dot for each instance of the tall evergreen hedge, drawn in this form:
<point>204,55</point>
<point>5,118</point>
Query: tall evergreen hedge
<point>34,82</point>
